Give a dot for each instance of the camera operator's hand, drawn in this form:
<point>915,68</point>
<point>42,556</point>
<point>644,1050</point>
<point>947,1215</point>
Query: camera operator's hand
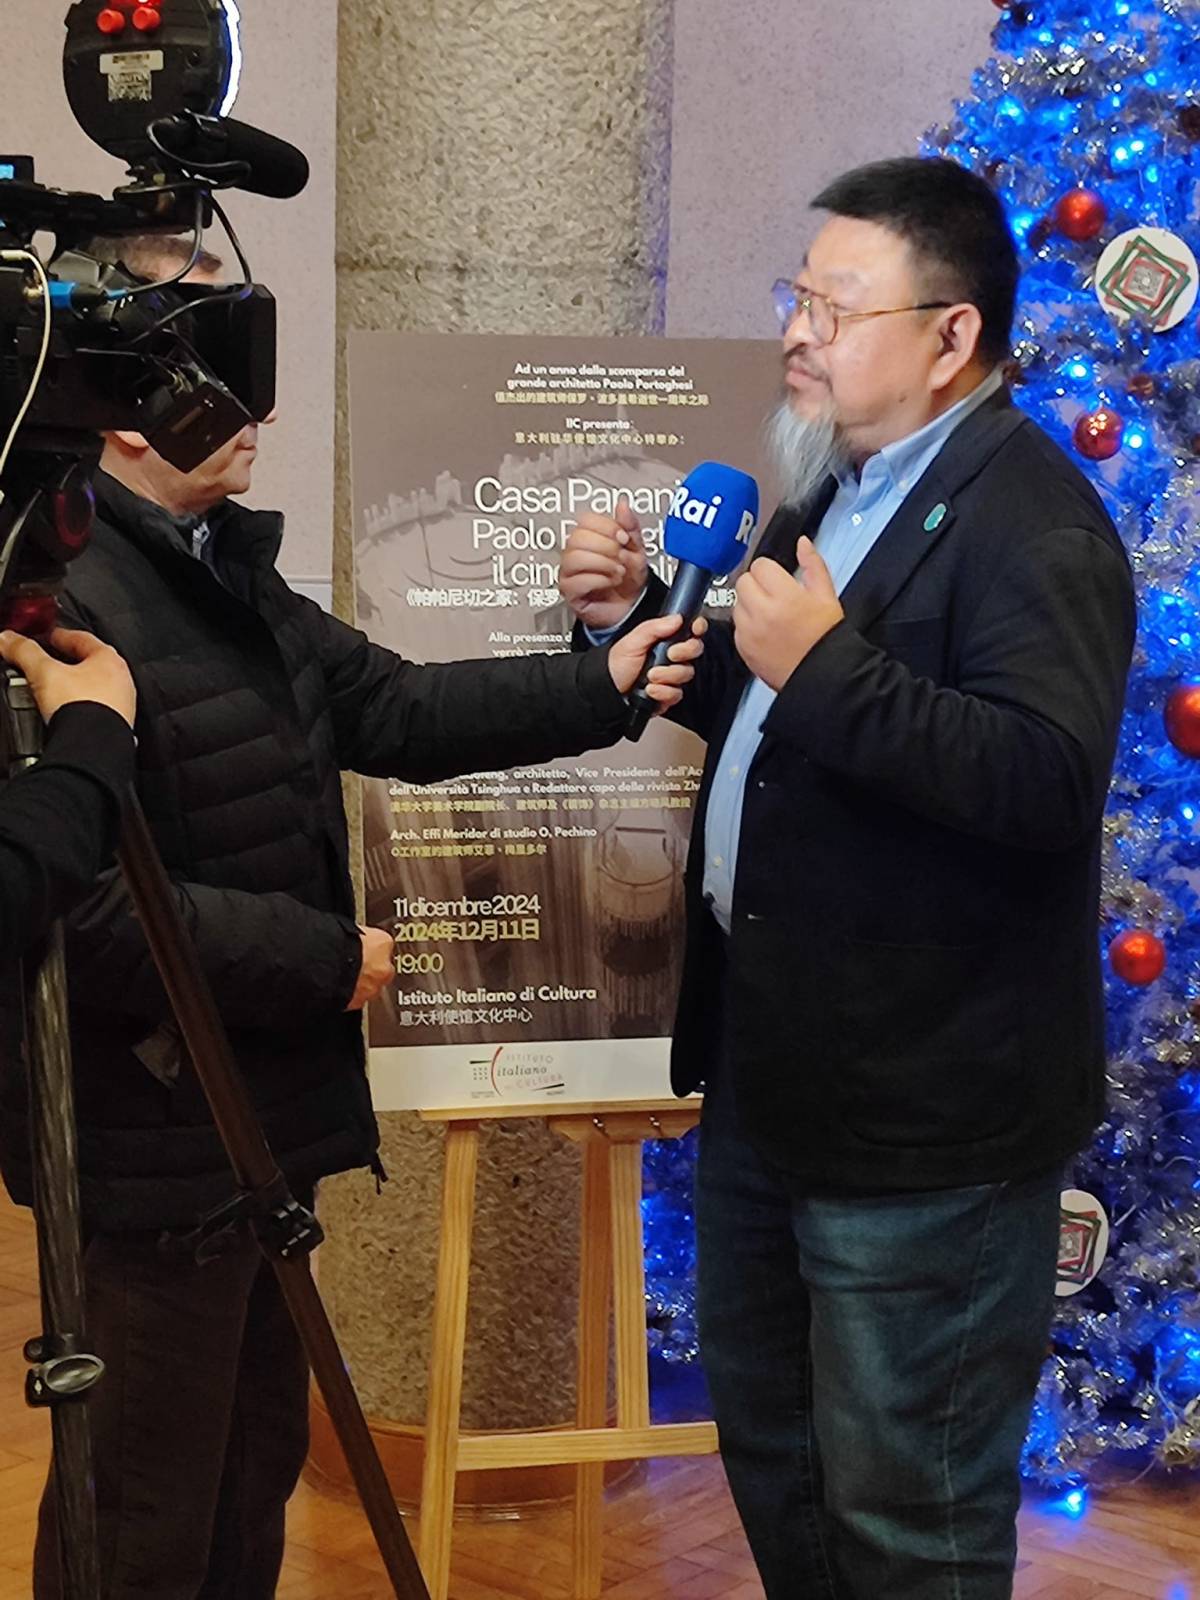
<point>94,673</point>
<point>628,655</point>
<point>604,568</point>
<point>378,967</point>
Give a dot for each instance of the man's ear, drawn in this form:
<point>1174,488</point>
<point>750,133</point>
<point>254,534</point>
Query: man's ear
<point>960,329</point>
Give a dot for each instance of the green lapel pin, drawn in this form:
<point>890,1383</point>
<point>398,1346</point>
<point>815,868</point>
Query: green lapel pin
<point>936,517</point>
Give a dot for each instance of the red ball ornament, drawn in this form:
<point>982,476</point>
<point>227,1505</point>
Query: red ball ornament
<point>1098,434</point>
<point>1137,956</point>
<point>1080,215</point>
<point>1181,716</point>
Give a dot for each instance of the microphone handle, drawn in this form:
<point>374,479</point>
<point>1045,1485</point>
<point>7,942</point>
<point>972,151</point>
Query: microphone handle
<point>687,595</point>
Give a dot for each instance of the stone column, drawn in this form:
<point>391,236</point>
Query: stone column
<point>503,166</point>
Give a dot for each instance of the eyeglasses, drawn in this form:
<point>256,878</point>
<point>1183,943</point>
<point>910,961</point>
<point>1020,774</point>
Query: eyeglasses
<point>824,318</point>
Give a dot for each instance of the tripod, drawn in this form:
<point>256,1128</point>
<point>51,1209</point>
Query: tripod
<point>62,1369</point>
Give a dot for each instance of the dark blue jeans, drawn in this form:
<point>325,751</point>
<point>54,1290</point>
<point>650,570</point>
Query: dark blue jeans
<point>872,1362</point>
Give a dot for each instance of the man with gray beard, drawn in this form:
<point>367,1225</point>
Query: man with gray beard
<point>804,451</point>
<point>891,989</point>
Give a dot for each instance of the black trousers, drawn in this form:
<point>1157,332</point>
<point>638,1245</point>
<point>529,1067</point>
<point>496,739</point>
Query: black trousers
<point>200,1424</point>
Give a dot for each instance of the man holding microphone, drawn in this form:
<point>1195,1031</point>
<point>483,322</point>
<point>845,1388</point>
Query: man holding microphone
<point>251,703</point>
<point>891,989</point>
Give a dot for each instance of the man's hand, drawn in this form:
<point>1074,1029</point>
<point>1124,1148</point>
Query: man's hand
<point>378,967</point>
<point>604,568</point>
<point>778,620</point>
<point>95,672</point>
<point>628,655</point>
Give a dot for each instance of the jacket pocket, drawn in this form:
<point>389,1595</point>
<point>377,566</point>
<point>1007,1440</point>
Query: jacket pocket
<point>919,642</point>
<point>930,1042</point>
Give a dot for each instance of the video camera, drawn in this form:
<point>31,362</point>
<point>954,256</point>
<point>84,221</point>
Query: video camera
<point>87,346</point>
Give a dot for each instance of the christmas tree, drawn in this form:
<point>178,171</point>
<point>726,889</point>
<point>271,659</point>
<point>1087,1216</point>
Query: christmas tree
<point>1087,121</point>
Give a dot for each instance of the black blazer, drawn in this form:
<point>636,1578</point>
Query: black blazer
<point>912,983</point>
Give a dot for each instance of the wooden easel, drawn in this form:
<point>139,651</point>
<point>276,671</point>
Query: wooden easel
<point>612,1270</point>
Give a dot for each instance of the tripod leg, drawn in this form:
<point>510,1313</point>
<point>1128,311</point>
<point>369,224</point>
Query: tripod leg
<point>341,1402</point>
<point>262,1190</point>
<point>63,1371</point>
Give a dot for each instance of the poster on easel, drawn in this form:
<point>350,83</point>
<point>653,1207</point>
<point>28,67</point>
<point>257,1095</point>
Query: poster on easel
<point>538,913</point>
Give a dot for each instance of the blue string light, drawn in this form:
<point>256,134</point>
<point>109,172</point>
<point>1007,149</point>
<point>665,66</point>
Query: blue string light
<point>1073,1504</point>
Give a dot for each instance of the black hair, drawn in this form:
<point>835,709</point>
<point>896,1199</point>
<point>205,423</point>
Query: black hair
<point>955,225</point>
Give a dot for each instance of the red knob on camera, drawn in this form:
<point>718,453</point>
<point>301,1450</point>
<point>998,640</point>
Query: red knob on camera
<point>35,615</point>
<point>147,18</point>
<point>110,20</point>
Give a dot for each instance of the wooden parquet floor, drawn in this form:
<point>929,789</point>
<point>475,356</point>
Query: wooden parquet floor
<point>673,1535</point>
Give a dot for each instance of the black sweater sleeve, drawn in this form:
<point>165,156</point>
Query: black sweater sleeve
<point>58,821</point>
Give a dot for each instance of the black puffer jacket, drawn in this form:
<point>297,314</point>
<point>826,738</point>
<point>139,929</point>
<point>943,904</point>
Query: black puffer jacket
<point>251,700</point>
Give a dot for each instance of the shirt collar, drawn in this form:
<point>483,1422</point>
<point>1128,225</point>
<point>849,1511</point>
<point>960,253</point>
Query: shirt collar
<point>905,460</point>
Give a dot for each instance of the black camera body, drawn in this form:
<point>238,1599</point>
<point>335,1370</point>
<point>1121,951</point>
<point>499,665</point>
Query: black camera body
<point>85,346</point>
<point>188,388</point>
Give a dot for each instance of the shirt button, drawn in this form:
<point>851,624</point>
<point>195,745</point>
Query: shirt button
<point>856,519</point>
<point>733,771</point>
<point>718,861</point>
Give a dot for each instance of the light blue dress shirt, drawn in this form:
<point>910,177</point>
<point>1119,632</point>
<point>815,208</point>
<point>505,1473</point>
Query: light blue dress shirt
<point>857,516</point>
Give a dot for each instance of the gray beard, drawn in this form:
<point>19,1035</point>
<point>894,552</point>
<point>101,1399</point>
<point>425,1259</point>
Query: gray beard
<point>803,453</point>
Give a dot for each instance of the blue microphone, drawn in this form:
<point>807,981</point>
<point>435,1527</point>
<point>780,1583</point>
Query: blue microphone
<point>708,530</point>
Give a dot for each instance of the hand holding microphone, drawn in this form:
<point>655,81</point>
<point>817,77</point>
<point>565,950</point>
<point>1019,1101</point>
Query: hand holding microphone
<point>664,678</point>
<point>708,530</point>
<point>603,574</point>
